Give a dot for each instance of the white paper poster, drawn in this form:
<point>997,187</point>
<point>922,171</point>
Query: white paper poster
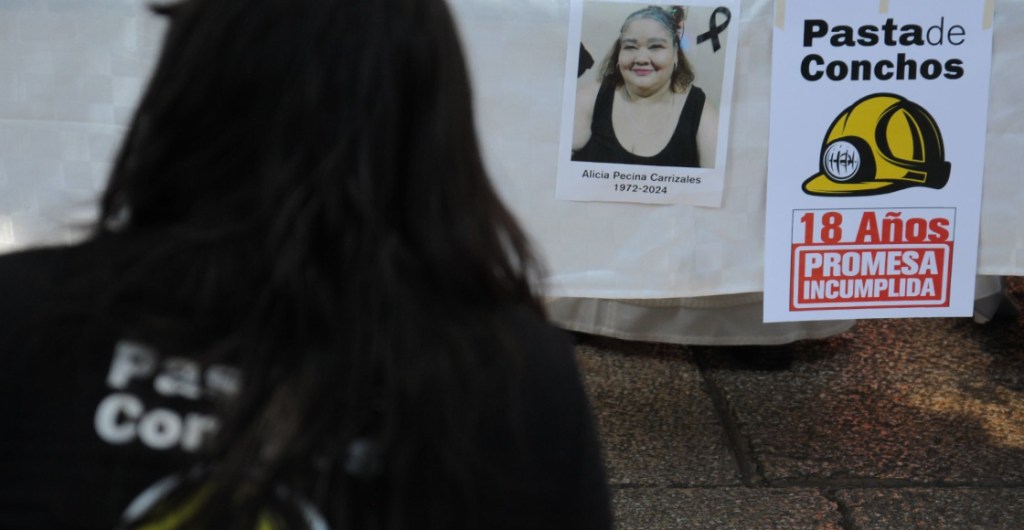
<point>876,155</point>
<point>646,101</point>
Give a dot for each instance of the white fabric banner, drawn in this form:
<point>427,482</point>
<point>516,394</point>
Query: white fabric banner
<point>73,69</point>
<point>610,250</point>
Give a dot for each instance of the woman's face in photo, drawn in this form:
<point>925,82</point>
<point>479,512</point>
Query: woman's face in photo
<point>647,55</point>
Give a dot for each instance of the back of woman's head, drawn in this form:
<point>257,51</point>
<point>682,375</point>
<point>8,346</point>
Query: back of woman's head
<point>250,94</point>
<point>301,187</point>
<point>307,123</point>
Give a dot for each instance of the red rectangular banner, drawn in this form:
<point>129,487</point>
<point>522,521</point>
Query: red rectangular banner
<point>857,259</point>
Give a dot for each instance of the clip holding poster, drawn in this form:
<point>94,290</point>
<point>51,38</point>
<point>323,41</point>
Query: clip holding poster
<point>876,154</point>
<point>646,121</point>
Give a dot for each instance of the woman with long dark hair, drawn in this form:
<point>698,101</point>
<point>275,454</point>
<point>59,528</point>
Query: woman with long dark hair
<point>303,305</point>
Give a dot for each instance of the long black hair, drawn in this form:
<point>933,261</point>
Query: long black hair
<point>300,193</point>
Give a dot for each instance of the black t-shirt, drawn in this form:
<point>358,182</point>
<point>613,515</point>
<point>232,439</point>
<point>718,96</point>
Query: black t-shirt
<point>91,420</point>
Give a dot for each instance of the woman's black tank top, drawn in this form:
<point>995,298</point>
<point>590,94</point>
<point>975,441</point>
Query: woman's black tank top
<point>681,150</point>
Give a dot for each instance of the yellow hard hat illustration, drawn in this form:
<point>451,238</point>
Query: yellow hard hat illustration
<point>881,143</point>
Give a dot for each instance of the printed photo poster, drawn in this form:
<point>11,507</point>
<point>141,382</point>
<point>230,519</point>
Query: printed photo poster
<point>647,94</point>
<point>876,154</point>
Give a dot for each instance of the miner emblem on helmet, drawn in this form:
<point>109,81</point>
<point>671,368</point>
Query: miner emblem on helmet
<point>880,144</point>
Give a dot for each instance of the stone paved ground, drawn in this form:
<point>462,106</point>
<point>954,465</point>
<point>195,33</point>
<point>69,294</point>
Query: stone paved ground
<point>893,424</point>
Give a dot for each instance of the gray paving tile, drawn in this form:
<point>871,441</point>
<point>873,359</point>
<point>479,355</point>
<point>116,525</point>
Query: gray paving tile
<point>724,509</point>
<point>657,426</point>
<point>925,401</point>
<point>960,508</point>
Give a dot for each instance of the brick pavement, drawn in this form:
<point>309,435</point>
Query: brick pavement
<point>915,423</point>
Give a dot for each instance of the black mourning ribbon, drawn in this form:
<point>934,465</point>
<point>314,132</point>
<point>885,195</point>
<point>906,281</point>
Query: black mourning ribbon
<point>714,29</point>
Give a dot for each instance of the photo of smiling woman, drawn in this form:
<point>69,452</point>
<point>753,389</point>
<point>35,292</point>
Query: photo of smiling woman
<point>643,108</point>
